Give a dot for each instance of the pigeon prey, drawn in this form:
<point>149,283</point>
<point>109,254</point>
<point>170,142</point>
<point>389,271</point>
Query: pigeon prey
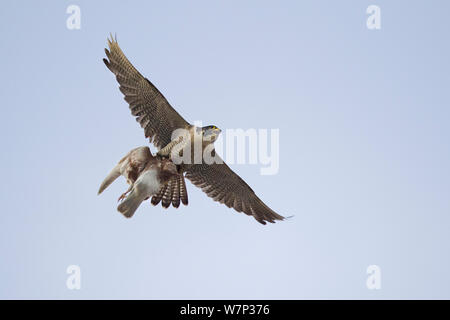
<point>145,174</point>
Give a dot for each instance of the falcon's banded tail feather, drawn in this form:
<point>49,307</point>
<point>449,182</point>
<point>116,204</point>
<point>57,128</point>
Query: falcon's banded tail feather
<point>183,190</point>
<point>157,198</point>
<point>168,193</point>
<point>172,193</point>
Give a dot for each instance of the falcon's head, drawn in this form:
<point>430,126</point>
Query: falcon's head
<point>210,133</point>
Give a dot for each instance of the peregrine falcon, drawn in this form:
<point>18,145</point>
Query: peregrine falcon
<point>159,120</point>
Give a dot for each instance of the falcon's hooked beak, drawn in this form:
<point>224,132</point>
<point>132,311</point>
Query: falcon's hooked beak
<point>216,131</point>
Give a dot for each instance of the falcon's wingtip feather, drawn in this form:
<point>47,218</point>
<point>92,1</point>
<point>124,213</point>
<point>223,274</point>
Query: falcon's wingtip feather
<point>106,62</point>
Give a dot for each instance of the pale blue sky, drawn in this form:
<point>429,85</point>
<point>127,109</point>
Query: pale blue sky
<point>364,149</point>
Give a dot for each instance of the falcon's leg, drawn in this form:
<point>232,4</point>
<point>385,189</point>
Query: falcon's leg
<point>165,152</point>
<point>123,195</point>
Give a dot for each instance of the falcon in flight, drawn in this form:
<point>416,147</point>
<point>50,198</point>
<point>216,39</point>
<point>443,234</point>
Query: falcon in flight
<point>159,121</point>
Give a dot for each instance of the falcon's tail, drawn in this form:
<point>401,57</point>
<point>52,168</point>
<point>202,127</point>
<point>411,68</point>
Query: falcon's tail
<point>172,193</point>
<point>129,206</point>
<point>113,175</point>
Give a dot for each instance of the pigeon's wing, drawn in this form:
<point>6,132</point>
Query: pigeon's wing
<point>153,112</point>
<point>130,166</point>
<point>136,162</point>
<point>221,184</point>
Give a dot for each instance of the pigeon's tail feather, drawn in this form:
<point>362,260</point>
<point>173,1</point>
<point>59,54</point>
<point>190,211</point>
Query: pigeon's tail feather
<point>129,206</point>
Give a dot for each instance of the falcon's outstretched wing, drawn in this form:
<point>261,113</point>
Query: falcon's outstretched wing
<point>152,110</point>
<point>222,184</point>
